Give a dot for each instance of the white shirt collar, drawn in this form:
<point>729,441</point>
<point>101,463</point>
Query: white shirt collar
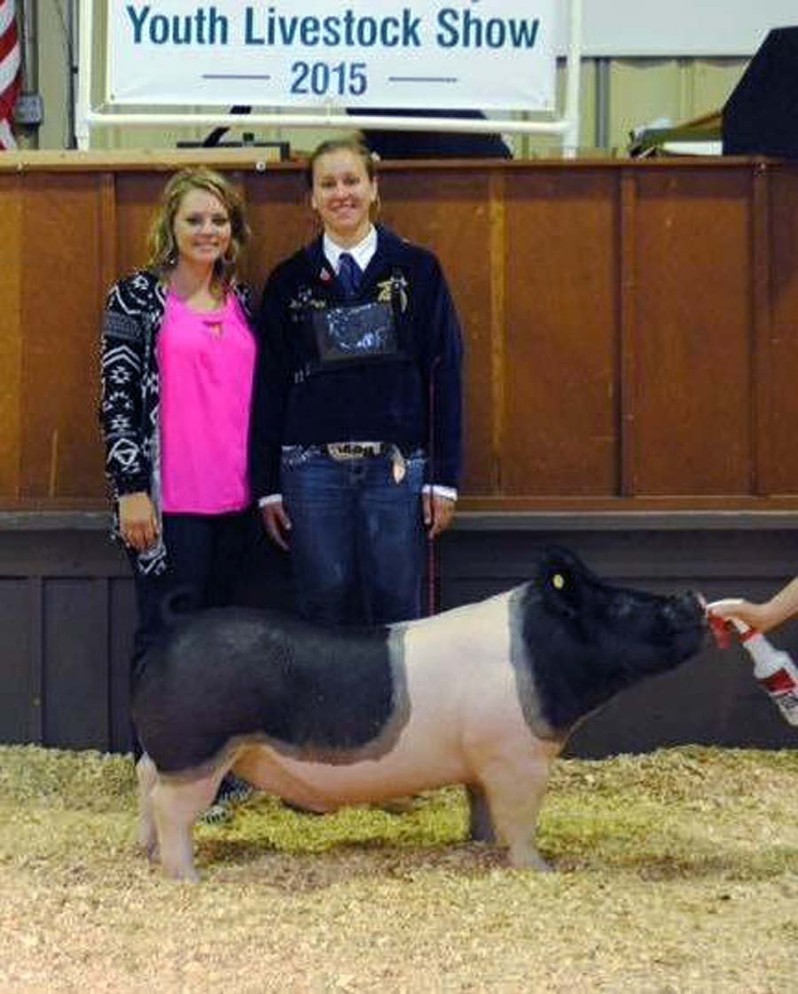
<point>362,252</point>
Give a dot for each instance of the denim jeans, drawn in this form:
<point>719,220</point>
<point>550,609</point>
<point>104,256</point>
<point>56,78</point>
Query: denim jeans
<point>357,537</point>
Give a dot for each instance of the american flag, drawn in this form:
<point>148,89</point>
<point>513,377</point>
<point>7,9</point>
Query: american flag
<point>9,70</point>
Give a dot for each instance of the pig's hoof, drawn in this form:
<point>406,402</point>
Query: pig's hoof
<point>530,861</point>
<point>482,832</point>
<point>153,853</point>
<point>148,844</point>
<point>183,876</point>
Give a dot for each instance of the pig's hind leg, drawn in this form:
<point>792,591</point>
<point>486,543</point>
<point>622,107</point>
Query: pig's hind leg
<point>480,822</point>
<point>147,775</point>
<point>177,804</point>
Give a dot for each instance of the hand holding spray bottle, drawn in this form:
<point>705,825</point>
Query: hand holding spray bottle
<point>773,668</point>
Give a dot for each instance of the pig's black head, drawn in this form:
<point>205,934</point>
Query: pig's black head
<point>585,640</point>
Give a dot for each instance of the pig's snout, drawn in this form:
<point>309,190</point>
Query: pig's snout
<point>688,613</point>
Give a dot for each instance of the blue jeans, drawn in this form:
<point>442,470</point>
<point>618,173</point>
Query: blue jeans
<point>357,536</point>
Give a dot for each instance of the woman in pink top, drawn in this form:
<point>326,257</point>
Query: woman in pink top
<point>177,369</point>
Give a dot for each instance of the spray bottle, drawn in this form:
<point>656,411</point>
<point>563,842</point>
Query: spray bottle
<point>773,668</point>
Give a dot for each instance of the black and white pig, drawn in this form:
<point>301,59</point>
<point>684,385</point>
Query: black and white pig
<point>483,695</point>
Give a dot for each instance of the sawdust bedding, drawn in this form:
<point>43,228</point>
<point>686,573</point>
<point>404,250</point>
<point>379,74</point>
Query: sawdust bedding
<point>675,872</point>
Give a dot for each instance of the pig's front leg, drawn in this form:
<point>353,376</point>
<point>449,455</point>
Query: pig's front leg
<point>177,806</point>
<point>514,793</point>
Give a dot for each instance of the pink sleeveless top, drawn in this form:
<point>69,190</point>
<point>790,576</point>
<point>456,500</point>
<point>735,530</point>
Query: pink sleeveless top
<point>206,363</point>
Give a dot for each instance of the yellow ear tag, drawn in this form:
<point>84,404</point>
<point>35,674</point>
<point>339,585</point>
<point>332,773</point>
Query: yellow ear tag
<point>558,581</point>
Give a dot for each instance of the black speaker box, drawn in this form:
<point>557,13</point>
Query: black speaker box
<point>432,144</point>
<point>761,115</point>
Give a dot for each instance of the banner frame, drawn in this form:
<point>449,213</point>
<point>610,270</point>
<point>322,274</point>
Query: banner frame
<point>89,117</point>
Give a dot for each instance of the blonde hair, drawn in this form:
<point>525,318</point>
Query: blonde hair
<point>353,144</point>
<point>163,254</point>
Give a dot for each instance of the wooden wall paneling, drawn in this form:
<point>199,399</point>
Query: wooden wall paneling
<point>713,698</point>
<point>561,327</point>
<point>75,632</point>
<point>693,312</point>
<point>122,619</point>
<point>279,212</point>
<point>455,215</point>
<point>137,195</point>
<point>487,412</point>
<point>34,618</point>
<point>759,356</point>
<point>18,682</point>
<point>108,271</point>
<point>53,597</point>
<point>627,321</point>
<point>109,225</point>
<point>458,214</point>
<point>11,341</point>
<point>779,463</point>
<point>614,314</point>
<point>61,265</point>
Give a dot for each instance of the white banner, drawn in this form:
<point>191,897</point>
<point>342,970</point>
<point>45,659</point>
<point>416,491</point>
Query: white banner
<point>416,54</point>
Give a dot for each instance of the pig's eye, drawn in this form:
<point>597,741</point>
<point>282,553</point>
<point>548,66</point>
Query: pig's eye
<point>558,581</point>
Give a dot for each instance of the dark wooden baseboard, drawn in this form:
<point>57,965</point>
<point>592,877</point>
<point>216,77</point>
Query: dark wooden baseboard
<point>67,616</point>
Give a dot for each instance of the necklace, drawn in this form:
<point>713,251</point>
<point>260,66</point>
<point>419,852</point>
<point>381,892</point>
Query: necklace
<point>215,325</point>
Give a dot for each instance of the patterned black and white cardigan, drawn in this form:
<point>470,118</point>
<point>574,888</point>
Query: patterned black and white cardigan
<point>130,394</point>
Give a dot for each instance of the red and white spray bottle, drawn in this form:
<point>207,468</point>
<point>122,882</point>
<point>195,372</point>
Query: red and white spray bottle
<point>773,668</point>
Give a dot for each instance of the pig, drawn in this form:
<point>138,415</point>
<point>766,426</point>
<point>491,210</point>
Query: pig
<point>484,695</point>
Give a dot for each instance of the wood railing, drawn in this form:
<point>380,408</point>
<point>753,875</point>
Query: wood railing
<point>631,326</point>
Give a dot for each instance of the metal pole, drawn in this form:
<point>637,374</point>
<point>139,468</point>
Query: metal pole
<point>28,114</point>
<point>570,141</point>
<point>72,70</point>
<point>83,29</point>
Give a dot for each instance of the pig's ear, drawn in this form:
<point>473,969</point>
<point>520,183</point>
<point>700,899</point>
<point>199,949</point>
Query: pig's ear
<point>559,580</point>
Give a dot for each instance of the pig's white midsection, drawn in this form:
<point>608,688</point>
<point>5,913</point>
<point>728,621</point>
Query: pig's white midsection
<point>464,711</point>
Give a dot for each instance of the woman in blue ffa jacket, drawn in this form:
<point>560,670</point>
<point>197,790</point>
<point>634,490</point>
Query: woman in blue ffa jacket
<point>357,416</point>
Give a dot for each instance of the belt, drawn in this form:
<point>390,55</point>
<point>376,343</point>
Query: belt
<point>342,451</point>
<point>355,450</point>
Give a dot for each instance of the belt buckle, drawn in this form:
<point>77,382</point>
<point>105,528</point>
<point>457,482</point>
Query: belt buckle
<point>353,450</point>
<point>341,451</point>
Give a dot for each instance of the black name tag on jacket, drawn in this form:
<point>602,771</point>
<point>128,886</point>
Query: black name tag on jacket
<point>361,332</point>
